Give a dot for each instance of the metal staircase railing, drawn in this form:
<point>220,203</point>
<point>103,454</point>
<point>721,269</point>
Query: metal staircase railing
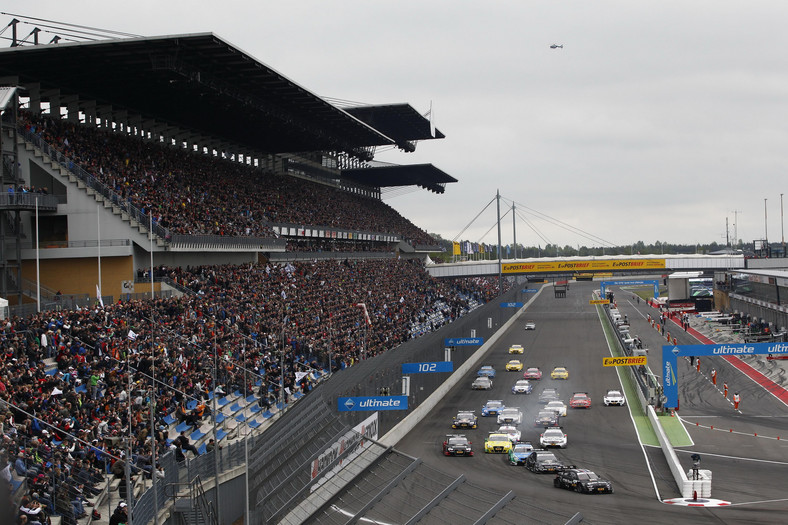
<point>198,509</point>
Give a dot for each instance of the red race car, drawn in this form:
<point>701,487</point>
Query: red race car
<point>580,400</point>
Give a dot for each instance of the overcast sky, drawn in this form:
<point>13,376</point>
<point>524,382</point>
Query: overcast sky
<point>656,121</point>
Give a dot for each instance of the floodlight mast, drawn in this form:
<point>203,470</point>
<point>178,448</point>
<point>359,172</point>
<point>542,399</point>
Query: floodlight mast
<point>500,273</point>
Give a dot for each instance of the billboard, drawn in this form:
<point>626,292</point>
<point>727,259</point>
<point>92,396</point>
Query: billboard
<point>584,265</point>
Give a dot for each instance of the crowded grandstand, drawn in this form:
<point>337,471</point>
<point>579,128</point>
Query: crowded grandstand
<point>94,387</point>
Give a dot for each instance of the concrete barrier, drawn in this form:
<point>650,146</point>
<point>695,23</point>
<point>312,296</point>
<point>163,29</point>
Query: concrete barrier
<point>407,424</point>
<point>688,487</point>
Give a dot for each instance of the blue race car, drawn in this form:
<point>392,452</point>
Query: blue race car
<point>520,453</point>
<point>486,371</point>
<point>493,407</point>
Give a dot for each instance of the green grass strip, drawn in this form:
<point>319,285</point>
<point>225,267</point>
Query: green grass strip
<point>642,423</point>
<point>673,428</point>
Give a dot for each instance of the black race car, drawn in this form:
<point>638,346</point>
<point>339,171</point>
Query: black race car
<point>582,480</point>
<point>465,419</point>
<point>457,445</point>
<point>543,461</point>
<point>546,418</point>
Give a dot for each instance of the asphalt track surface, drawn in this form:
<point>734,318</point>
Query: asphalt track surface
<point>748,471</point>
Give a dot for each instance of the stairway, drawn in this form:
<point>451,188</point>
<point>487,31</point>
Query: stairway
<point>103,194</point>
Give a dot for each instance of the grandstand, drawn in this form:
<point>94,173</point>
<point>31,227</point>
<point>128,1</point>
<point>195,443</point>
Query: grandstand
<point>186,236</point>
<point>228,162</point>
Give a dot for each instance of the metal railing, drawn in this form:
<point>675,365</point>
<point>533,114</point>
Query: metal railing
<point>27,201</point>
<point>343,234</point>
<point>227,242</point>
<point>87,243</point>
<point>93,183</point>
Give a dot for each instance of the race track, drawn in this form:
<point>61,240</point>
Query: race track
<point>746,470</point>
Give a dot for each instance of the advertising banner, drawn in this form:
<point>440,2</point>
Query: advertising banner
<point>584,265</point>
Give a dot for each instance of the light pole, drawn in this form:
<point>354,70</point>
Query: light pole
<point>782,224</point>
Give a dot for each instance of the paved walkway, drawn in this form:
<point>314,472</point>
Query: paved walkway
<point>772,375</point>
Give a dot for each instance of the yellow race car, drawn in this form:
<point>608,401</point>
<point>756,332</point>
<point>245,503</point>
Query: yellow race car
<point>559,372</point>
<point>516,349</point>
<point>497,443</point>
<point>515,365</point>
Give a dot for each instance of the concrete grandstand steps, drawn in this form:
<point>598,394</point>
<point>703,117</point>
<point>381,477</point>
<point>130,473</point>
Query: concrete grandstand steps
<point>80,184</point>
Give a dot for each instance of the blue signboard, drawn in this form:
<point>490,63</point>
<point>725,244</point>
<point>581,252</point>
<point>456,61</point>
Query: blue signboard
<point>426,368</point>
<point>670,355</point>
<point>604,284</point>
<point>511,305</point>
<point>530,290</point>
<point>463,341</point>
<point>358,404</point>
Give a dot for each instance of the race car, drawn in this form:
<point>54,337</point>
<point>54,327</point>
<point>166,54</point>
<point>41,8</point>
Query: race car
<point>497,443</point>
<point>532,373</point>
<point>481,383</point>
<point>553,437</point>
<point>614,397</point>
<point>511,431</point>
<point>582,480</point>
<point>522,386</point>
<point>465,419</point>
<point>520,452</point>
<point>559,372</point>
<point>510,416</point>
<point>580,400</point>
<point>492,407</point>
<point>543,461</point>
<point>516,349</point>
<point>486,371</point>
<point>530,325</point>
<point>548,394</point>
<point>546,418</point>
<point>515,365</point>
<point>557,406</point>
<point>457,445</point>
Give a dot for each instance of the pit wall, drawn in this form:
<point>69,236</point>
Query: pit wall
<point>689,488</point>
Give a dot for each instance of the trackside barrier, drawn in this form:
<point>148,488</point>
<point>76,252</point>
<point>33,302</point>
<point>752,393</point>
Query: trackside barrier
<point>406,425</point>
<point>305,509</point>
<point>687,486</point>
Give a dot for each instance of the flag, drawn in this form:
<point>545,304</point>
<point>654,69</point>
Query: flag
<point>132,335</point>
<point>98,296</point>
<point>363,307</point>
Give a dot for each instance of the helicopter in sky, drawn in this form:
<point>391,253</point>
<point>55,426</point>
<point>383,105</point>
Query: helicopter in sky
<point>556,46</point>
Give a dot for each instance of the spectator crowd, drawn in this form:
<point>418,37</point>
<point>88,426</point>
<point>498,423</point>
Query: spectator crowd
<point>192,194</point>
<point>77,386</point>
<point>66,388</point>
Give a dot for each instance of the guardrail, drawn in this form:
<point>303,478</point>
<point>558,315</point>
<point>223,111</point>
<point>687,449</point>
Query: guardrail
<point>27,201</point>
<point>92,182</point>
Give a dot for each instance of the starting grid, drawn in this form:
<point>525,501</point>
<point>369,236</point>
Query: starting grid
<point>671,353</point>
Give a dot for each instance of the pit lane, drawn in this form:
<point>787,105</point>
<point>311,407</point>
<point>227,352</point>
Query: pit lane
<point>568,333</point>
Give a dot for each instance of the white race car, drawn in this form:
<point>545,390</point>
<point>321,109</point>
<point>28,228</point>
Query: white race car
<point>557,406</point>
<point>510,416</point>
<point>553,437</point>
<point>615,397</point>
<point>511,431</point>
<point>530,325</point>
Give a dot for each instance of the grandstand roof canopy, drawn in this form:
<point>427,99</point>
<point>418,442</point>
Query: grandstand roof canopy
<point>401,122</point>
<point>424,175</point>
<point>198,82</point>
